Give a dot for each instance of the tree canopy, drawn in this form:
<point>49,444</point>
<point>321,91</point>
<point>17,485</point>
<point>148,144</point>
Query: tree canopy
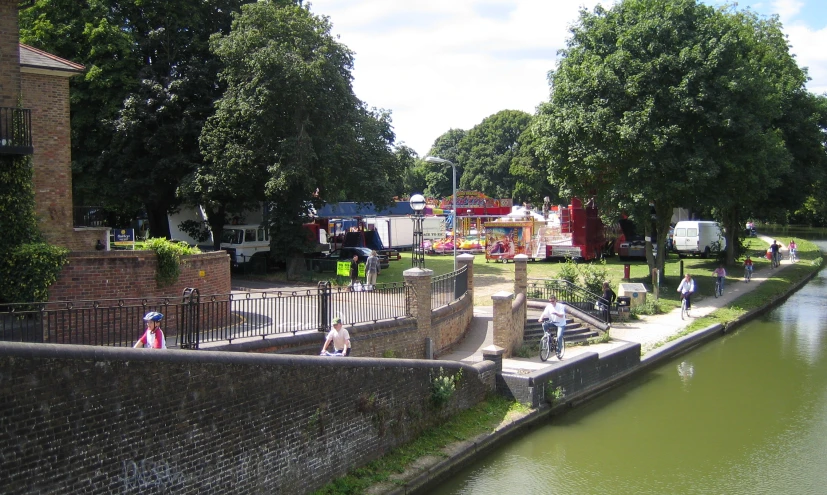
<point>670,102</point>
<point>289,130</point>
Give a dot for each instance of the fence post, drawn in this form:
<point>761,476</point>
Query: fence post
<point>190,319</point>
<point>419,280</point>
<point>324,295</point>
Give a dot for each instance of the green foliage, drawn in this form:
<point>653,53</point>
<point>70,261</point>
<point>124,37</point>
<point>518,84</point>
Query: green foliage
<point>652,306</point>
<point>554,394</point>
<point>28,270</point>
<point>568,271</point>
<point>390,353</point>
<point>487,150</point>
<point>169,258</point>
<point>593,275</point>
<point>443,387</point>
<point>194,229</point>
<point>27,266</point>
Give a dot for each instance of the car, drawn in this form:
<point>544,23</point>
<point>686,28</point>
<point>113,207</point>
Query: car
<point>329,262</point>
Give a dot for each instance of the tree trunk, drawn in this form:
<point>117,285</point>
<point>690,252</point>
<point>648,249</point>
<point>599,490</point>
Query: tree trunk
<point>158,220</point>
<point>732,234</point>
<point>215,217</point>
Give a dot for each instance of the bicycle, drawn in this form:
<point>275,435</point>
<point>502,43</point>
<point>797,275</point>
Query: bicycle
<point>719,287</point>
<point>684,309</point>
<point>747,274</point>
<point>793,257</point>
<point>776,260</point>
<point>547,344</point>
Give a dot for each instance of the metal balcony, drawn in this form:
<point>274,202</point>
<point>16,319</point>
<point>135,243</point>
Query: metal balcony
<point>15,131</point>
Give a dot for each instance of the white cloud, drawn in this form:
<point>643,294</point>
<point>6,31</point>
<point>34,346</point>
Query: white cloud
<point>439,65</point>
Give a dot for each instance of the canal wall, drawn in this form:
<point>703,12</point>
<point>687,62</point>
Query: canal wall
<point>80,419</point>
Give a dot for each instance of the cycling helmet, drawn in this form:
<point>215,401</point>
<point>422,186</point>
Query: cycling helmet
<point>153,316</point>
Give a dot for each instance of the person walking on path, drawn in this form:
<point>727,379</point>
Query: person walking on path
<point>372,270</point>
<point>554,315</point>
<point>340,338</point>
<point>354,272</point>
<point>776,260</point>
<point>153,337</point>
<point>686,288</point>
<point>606,301</point>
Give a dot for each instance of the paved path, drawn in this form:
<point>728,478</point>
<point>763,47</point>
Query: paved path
<point>648,330</point>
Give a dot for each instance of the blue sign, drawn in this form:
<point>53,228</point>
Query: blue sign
<point>124,236</point>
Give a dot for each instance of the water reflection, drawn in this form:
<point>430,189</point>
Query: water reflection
<point>753,422</point>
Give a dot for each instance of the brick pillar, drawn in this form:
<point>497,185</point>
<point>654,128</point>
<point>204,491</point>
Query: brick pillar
<point>9,54</point>
<point>503,326</point>
<point>494,354</point>
<point>419,279</point>
<point>468,260</point>
<point>520,274</point>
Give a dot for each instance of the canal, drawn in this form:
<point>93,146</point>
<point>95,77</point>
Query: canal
<point>745,414</point>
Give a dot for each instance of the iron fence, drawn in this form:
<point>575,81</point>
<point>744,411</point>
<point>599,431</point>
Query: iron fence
<point>447,288</point>
<point>194,319</point>
<point>568,293</point>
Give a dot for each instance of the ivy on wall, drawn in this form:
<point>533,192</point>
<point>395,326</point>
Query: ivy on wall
<point>169,258</point>
<point>28,266</point>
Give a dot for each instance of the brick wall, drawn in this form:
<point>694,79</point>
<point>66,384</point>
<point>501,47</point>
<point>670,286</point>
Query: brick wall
<point>9,56</point>
<point>94,275</point>
<point>76,419</point>
<point>452,323</point>
<point>48,98</point>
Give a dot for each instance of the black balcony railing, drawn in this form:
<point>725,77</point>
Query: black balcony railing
<point>15,131</point>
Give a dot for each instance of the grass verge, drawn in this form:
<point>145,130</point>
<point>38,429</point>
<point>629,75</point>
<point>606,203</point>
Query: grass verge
<point>485,417</point>
<point>778,285</point>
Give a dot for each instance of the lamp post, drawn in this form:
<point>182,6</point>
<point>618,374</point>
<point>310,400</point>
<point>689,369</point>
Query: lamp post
<point>417,203</point>
<point>436,159</point>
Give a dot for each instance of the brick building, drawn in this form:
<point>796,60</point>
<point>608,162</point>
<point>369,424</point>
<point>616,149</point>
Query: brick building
<point>34,99</point>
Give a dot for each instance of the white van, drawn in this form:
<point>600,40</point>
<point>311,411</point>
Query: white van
<point>698,237</point>
<point>243,241</point>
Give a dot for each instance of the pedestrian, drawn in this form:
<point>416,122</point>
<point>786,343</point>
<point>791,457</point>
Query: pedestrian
<point>606,301</point>
<point>340,338</point>
<point>354,272</point>
<point>153,337</point>
<point>554,314</point>
<point>686,288</point>
<point>793,247</point>
<point>372,270</point>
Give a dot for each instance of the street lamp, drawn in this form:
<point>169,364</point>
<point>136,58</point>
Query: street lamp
<point>417,203</point>
<point>436,159</point>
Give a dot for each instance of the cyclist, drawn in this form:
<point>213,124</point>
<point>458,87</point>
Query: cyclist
<point>748,266</point>
<point>554,314</point>
<point>774,247</point>
<point>153,337</point>
<point>686,288</point>
<point>793,249</point>
<point>720,274</point>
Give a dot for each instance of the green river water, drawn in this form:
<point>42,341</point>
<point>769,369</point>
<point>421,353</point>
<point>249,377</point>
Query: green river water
<point>745,414</point>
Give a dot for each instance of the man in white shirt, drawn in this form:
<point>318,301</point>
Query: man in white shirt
<point>340,338</point>
<point>554,315</point>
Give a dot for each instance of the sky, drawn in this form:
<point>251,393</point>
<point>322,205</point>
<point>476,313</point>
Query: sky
<point>445,64</point>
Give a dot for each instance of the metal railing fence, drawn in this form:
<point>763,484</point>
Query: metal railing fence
<point>449,287</point>
<point>568,293</point>
<point>194,319</point>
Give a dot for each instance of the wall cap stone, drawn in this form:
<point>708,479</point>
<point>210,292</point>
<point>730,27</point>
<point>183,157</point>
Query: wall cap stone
<point>418,272</point>
<point>502,295</point>
<point>493,350</point>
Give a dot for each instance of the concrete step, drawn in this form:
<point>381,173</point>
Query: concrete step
<point>575,331</point>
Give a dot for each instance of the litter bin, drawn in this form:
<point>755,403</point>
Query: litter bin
<point>624,304</point>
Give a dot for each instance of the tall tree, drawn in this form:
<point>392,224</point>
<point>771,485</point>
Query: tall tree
<point>149,87</point>
<point>290,123</point>
<point>649,104</point>
<point>439,178</point>
<point>487,150</point>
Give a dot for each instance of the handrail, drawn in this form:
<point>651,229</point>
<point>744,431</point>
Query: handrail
<point>573,295</point>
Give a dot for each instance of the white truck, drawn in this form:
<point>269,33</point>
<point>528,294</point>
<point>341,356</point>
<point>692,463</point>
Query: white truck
<point>698,237</point>
<point>243,242</point>
<point>397,232</point>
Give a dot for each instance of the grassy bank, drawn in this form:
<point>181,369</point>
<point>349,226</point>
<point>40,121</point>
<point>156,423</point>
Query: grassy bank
<point>778,284</point>
<point>484,418</point>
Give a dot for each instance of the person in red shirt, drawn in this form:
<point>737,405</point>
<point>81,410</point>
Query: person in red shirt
<point>153,337</point>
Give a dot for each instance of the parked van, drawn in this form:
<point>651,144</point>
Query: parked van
<point>243,241</point>
<point>698,237</point>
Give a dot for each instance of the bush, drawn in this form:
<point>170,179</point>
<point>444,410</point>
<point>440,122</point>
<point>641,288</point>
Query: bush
<point>569,271</point>
<point>593,275</point>
<point>28,270</point>
<point>169,259</point>
<point>650,307</point>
